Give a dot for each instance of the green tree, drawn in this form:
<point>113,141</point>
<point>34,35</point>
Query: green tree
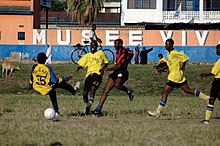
<point>57,5</point>
<point>84,11</point>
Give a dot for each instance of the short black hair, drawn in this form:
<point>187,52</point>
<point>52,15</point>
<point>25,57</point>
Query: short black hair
<point>41,58</point>
<point>218,46</point>
<point>120,40</point>
<point>94,41</point>
<point>160,55</point>
<point>170,40</point>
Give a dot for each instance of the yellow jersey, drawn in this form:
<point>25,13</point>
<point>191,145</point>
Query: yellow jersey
<point>216,69</point>
<point>175,60</point>
<point>43,78</point>
<point>93,62</point>
<point>162,60</point>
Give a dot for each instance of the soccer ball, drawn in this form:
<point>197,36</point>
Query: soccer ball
<point>49,113</point>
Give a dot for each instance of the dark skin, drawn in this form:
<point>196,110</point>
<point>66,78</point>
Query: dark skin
<point>211,99</point>
<point>110,83</point>
<point>93,47</point>
<point>167,89</point>
<point>93,29</point>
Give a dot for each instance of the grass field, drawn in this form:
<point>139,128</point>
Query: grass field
<point>124,122</point>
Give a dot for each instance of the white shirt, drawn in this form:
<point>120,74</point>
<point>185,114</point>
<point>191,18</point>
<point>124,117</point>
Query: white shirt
<point>93,35</point>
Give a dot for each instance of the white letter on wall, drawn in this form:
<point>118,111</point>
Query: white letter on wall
<point>59,37</point>
<point>85,36</point>
<point>202,39</point>
<point>38,37</point>
<point>111,35</point>
<point>184,35</point>
<point>164,36</point>
<point>135,37</point>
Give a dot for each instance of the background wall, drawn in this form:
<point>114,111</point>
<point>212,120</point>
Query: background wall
<point>62,53</point>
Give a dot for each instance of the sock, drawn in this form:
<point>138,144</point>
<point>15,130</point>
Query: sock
<point>90,101</point>
<point>160,107</point>
<point>99,108</point>
<point>128,90</point>
<point>201,95</point>
<point>208,113</point>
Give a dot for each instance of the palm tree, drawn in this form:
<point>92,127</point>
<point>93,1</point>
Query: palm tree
<point>84,11</point>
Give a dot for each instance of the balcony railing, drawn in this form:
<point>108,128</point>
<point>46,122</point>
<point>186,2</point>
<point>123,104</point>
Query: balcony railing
<point>187,16</point>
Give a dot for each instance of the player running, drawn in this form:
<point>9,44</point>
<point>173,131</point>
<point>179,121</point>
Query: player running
<point>44,80</point>
<point>176,65</point>
<point>215,89</point>
<point>93,62</point>
<point>119,75</point>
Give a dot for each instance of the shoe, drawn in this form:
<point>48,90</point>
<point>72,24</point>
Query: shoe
<point>206,122</point>
<point>97,112</point>
<point>56,117</point>
<point>153,113</point>
<point>130,94</point>
<point>87,109</point>
<point>77,86</point>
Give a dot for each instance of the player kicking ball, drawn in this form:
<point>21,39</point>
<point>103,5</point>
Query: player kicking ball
<point>215,89</point>
<point>176,79</point>
<point>44,80</point>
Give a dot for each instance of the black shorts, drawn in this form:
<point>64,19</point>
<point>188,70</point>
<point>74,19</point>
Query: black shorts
<point>123,74</point>
<point>161,65</point>
<point>174,84</point>
<point>215,89</point>
<point>92,80</point>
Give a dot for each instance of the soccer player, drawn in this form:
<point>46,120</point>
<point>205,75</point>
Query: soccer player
<point>93,62</point>
<point>44,80</point>
<point>119,75</point>
<point>215,89</point>
<point>176,65</point>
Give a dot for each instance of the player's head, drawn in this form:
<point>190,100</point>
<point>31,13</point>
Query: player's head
<point>41,58</point>
<point>218,49</point>
<point>48,44</point>
<point>93,27</point>
<point>160,55</point>
<point>144,48</point>
<point>93,46</point>
<point>118,43</point>
<point>169,44</point>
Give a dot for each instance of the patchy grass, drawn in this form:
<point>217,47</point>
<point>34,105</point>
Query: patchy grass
<point>124,122</point>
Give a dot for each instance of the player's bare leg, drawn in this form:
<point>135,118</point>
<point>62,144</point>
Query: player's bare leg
<point>108,87</point>
<point>196,92</point>
<point>167,89</point>
<point>120,86</point>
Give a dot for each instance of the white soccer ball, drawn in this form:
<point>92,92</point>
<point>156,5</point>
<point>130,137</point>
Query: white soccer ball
<point>49,113</point>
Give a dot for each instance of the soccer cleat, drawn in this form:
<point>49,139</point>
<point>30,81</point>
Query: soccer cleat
<point>206,122</point>
<point>56,117</point>
<point>130,94</point>
<point>77,86</point>
<point>87,109</point>
<point>153,113</point>
<point>97,112</point>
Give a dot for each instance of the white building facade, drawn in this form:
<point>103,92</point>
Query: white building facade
<point>170,11</point>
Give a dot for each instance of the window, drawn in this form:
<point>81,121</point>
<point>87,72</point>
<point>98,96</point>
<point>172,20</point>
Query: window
<point>141,4</point>
<point>21,35</point>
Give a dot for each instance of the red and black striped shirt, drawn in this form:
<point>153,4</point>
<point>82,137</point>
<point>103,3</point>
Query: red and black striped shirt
<point>121,58</point>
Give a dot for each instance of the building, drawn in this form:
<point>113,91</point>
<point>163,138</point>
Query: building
<point>170,11</point>
<point>18,19</point>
